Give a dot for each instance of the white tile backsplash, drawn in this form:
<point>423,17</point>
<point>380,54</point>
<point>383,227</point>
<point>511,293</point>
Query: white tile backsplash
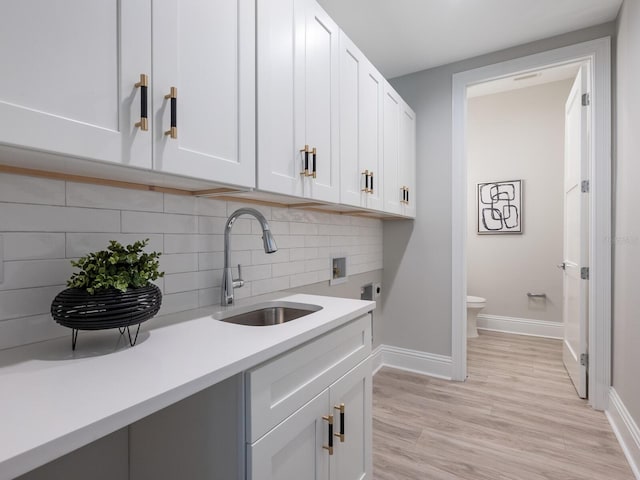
<point>20,189</point>
<point>45,223</point>
<point>21,217</point>
<point>33,246</point>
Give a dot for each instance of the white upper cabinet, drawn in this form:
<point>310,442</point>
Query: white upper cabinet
<point>298,100</point>
<point>205,52</point>
<point>361,129</point>
<point>407,169</point>
<point>393,193</point>
<point>68,75</point>
<point>72,83</point>
<point>399,155</point>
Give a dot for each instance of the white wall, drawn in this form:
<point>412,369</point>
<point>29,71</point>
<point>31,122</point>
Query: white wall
<point>417,257</point>
<point>518,135</point>
<point>44,223</point>
<point>626,244</point>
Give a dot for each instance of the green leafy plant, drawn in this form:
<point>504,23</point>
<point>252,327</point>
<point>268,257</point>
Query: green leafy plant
<point>116,267</point>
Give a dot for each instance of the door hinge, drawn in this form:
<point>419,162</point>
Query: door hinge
<point>586,186</point>
<point>584,359</point>
<point>584,273</point>
<point>586,100</point>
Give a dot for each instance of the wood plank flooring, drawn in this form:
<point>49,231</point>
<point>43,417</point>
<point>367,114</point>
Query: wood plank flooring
<point>517,417</point>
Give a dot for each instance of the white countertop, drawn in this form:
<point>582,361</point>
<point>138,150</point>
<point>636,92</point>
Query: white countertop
<point>54,401</point>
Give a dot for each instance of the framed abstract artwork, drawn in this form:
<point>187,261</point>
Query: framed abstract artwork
<point>500,207</point>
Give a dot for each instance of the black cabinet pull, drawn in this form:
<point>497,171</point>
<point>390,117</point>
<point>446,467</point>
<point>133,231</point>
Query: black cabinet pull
<point>305,150</point>
<point>340,408</point>
<point>329,420</point>
<point>371,181</point>
<point>143,85</point>
<point>313,153</point>
<point>173,96</point>
<point>407,195</point>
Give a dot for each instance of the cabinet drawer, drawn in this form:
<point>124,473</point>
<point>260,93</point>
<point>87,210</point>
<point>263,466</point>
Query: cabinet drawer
<point>277,388</point>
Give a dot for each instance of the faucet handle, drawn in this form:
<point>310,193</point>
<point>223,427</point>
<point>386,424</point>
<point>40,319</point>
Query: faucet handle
<point>239,282</point>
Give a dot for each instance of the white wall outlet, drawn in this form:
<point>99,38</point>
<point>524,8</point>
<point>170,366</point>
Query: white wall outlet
<point>338,270</point>
<point>377,290</point>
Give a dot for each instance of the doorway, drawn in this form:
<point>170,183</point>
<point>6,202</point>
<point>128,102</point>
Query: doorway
<point>597,55</point>
<point>526,239</point>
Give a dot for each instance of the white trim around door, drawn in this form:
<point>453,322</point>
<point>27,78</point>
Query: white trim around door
<point>598,54</point>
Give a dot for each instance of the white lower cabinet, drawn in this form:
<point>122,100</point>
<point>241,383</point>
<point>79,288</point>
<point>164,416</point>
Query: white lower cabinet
<point>320,394</point>
<point>301,446</point>
<point>274,422</point>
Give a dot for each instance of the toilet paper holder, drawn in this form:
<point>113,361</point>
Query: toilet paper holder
<point>536,295</point>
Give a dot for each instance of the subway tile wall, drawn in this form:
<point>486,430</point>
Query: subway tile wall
<point>45,223</point>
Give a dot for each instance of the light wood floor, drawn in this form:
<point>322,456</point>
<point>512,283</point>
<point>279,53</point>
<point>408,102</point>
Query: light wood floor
<point>516,417</point>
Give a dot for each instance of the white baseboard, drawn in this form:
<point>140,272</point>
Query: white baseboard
<point>430,364</point>
<point>626,430</point>
<point>376,359</point>
<point>521,326</point>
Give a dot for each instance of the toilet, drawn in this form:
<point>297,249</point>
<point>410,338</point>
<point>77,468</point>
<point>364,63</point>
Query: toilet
<point>474,305</point>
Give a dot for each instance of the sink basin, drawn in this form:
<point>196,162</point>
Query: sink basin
<point>267,313</point>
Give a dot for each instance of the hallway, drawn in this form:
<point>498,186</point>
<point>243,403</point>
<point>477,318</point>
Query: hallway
<point>516,417</point>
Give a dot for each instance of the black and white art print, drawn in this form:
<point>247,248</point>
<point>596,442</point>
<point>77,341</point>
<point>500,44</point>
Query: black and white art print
<point>500,207</point>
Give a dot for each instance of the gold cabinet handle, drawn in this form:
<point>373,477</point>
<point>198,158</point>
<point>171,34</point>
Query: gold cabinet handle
<point>366,182</point>
<point>306,152</point>
<point>329,420</point>
<point>405,195</point>
<point>340,434</point>
<point>173,96</point>
<point>143,85</point>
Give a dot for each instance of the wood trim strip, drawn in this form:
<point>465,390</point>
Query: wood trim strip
<point>92,180</point>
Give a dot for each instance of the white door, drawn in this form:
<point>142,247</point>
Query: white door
<point>576,229</point>
<point>371,132</point>
<point>352,180</point>
<point>280,88</point>
<point>392,188</point>
<point>407,159</point>
<point>205,51</point>
<point>294,449</point>
<point>322,104</point>
<point>361,97</point>
<point>68,78</point>
<point>351,402</point>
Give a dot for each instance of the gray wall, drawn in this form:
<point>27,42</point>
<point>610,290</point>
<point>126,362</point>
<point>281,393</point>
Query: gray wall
<point>417,255</point>
<point>519,135</point>
<point>626,309</point>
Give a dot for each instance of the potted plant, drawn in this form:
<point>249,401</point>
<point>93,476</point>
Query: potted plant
<point>113,289</point>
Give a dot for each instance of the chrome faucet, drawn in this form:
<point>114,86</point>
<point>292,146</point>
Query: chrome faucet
<point>228,283</point>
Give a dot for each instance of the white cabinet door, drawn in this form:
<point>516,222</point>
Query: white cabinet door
<point>293,450</point>
<point>297,99</point>
<point>393,192</point>
<point>205,50</point>
<point>361,96</point>
<point>68,75</point>
<point>407,168</point>
<point>280,82</point>
<point>351,395</point>
<point>322,104</point>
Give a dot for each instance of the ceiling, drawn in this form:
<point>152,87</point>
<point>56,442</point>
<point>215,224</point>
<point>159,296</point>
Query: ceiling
<point>405,36</point>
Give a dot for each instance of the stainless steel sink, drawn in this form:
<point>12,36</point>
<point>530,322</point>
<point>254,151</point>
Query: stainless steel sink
<point>267,313</point>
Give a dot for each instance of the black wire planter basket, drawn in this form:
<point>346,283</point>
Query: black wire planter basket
<point>75,308</point>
